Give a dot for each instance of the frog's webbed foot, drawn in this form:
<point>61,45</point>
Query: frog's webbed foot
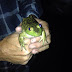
<point>23,46</point>
<point>43,37</point>
<point>22,43</point>
<point>41,40</point>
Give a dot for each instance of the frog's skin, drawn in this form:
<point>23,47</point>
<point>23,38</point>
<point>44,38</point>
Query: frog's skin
<point>31,28</point>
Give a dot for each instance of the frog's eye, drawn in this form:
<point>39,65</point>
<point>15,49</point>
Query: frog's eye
<point>40,25</point>
<point>30,29</point>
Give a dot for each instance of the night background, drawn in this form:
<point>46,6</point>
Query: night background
<point>57,13</point>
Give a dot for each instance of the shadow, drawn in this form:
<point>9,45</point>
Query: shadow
<point>57,14</point>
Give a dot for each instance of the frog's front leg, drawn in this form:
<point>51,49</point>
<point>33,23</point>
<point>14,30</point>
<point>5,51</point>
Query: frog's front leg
<point>43,37</point>
<point>21,41</point>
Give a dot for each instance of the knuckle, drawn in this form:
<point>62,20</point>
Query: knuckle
<point>47,46</point>
<point>26,58</point>
<point>25,62</point>
<point>49,41</point>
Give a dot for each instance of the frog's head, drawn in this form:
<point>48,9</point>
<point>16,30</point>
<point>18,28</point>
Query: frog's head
<point>34,30</point>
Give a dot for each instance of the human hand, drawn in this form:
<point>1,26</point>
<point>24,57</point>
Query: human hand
<point>10,50</point>
<point>37,46</point>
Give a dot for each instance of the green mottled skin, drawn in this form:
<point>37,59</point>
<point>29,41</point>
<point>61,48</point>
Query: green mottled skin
<point>35,30</point>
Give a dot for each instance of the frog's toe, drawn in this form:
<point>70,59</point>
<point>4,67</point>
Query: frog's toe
<point>24,48</point>
<point>21,47</point>
<point>46,41</point>
<point>40,40</point>
<point>43,42</point>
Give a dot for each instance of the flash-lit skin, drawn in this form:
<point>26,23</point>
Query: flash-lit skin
<point>31,28</point>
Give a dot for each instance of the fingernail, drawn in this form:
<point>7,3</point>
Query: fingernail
<point>18,29</point>
<point>35,51</point>
<point>31,46</point>
<point>33,40</point>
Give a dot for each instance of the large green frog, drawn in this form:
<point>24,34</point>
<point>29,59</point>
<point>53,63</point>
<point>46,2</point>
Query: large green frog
<point>31,28</point>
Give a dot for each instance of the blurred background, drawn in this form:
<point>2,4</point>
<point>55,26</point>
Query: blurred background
<point>58,14</point>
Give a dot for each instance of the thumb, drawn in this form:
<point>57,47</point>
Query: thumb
<point>38,20</point>
<point>18,29</point>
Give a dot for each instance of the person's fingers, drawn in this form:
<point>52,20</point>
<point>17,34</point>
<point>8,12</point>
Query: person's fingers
<point>38,20</point>
<point>20,59</point>
<point>45,25</point>
<point>37,46</point>
<point>40,44</point>
<point>43,48</point>
<point>35,39</point>
<point>25,62</point>
<point>35,51</point>
<point>26,41</point>
<point>18,29</point>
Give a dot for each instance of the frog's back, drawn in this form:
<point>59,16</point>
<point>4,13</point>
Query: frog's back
<point>29,22</point>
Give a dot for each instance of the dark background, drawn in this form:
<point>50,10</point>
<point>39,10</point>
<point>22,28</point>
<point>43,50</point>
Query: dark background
<point>58,14</point>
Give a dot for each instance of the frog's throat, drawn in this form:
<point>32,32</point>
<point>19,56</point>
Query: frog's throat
<point>29,36</point>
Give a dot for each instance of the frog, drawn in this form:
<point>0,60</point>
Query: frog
<point>31,28</point>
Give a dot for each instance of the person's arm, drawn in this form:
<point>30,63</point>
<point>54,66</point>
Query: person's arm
<point>28,7</point>
<point>1,57</point>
